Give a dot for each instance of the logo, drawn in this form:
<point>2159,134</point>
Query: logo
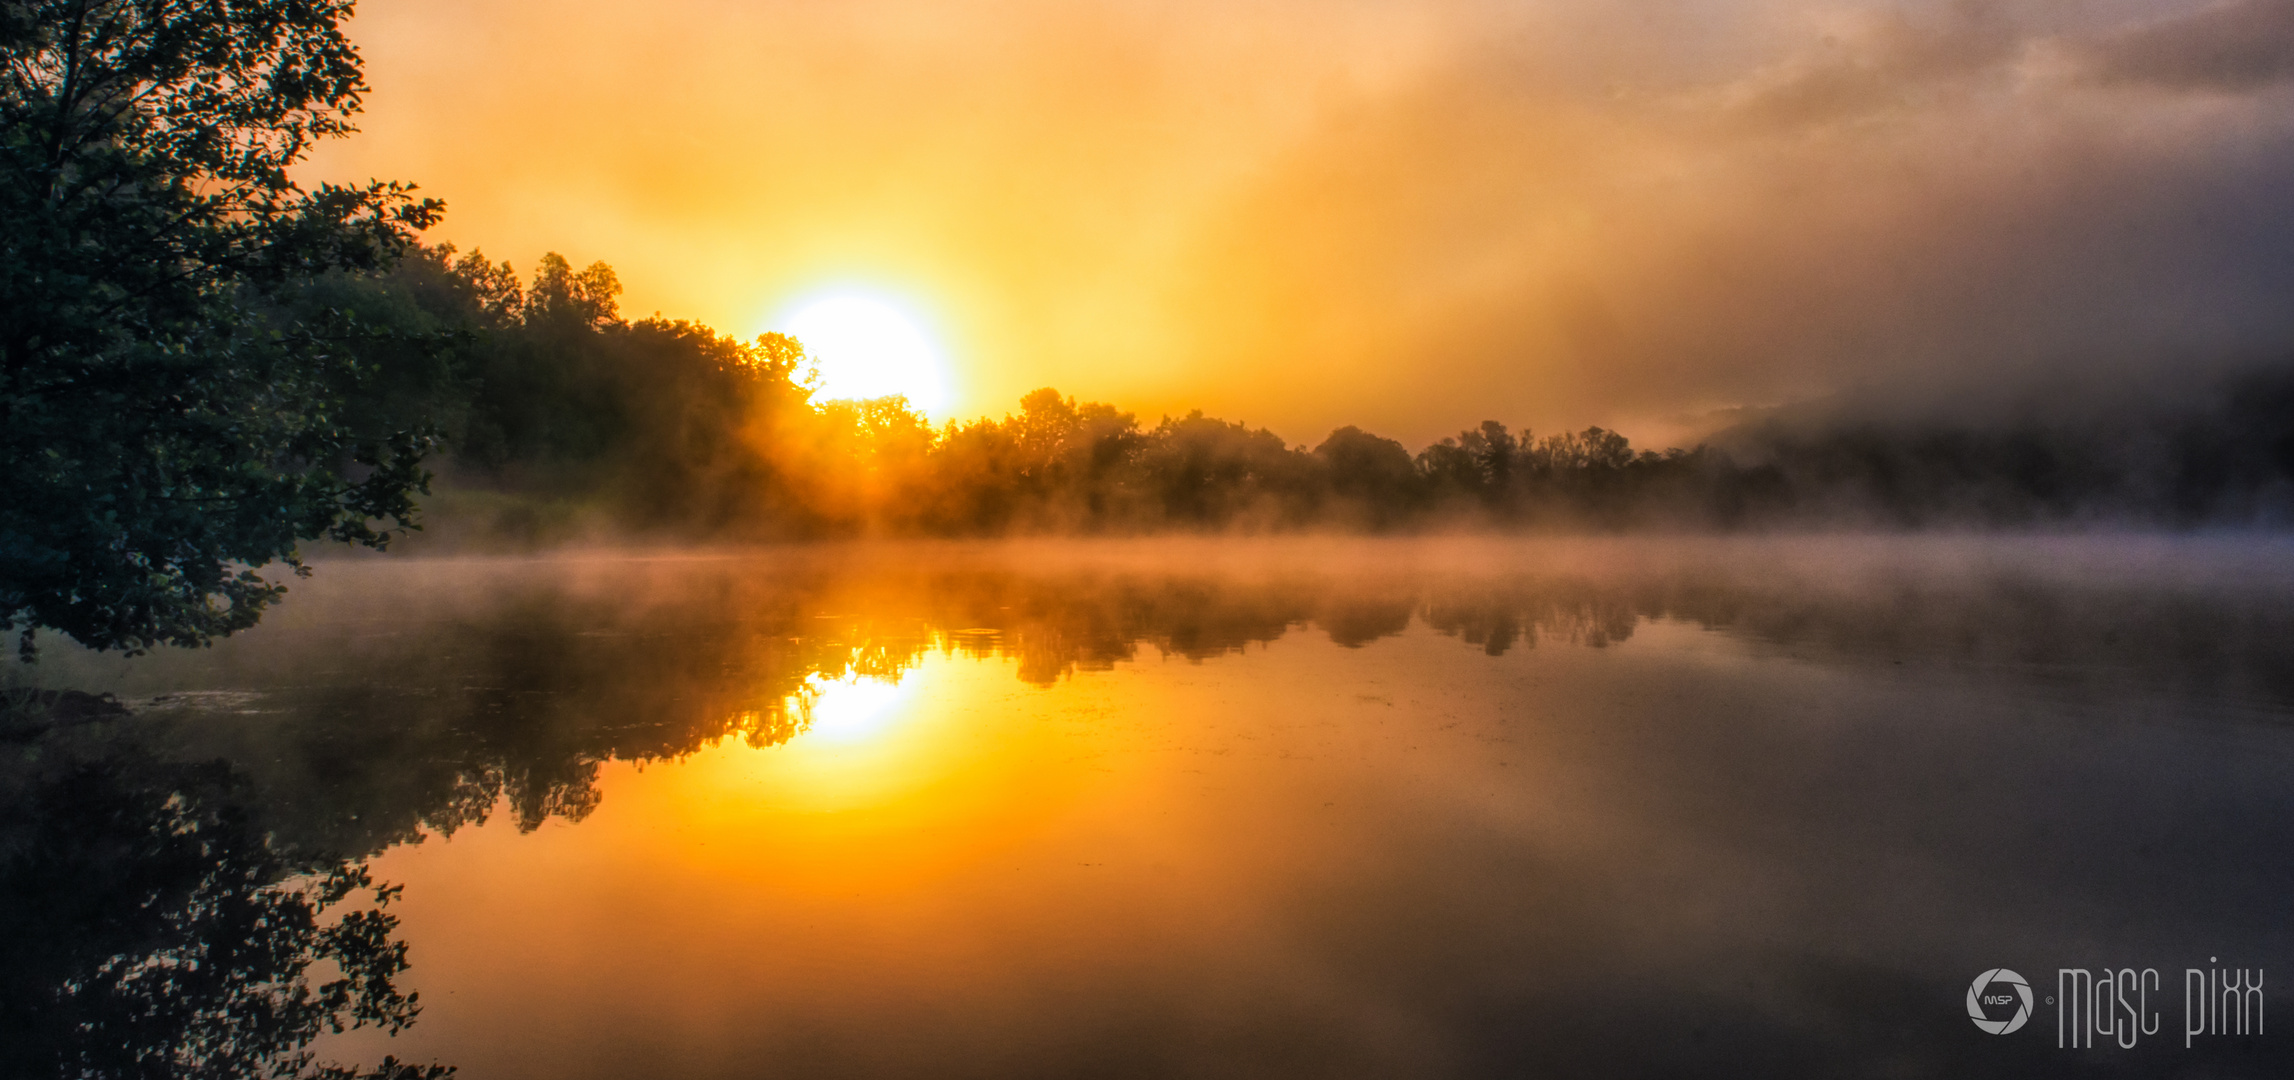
<point>1990,991</point>
<point>2098,1008</point>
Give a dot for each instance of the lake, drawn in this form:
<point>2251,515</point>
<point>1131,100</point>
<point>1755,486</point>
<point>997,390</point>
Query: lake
<point>1442,808</point>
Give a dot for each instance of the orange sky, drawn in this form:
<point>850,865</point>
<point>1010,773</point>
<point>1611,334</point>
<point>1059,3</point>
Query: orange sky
<point>1408,215</point>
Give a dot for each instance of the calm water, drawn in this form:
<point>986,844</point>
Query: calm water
<point>1758,808</point>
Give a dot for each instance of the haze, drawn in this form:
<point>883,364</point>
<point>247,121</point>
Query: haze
<point>1391,214</point>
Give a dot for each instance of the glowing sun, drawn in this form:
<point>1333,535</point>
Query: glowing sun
<point>866,348</point>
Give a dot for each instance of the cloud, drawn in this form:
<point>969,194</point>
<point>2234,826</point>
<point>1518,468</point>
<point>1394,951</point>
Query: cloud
<point>2228,47</point>
<point>1881,62</point>
<point>1926,204</point>
<point>1404,214</point>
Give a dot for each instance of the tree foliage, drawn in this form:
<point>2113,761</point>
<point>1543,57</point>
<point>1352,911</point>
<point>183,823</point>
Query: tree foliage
<point>669,431</point>
<point>169,419</point>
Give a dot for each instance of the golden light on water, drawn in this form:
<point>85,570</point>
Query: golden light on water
<point>871,754</point>
<point>853,709</point>
<point>983,836</point>
<point>865,346</point>
<point>1113,810</point>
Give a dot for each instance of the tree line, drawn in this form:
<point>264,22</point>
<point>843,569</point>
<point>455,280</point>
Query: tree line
<point>548,397</point>
<point>553,411</point>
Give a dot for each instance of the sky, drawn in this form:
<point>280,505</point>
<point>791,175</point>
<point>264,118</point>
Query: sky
<point>1411,216</point>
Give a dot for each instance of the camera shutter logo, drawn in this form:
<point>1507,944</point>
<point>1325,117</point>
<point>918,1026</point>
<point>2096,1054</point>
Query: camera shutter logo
<point>1991,986</point>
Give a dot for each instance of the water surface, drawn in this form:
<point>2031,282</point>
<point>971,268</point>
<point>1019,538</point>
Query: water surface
<point>1599,808</point>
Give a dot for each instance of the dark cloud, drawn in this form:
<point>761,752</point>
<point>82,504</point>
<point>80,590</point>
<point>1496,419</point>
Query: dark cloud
<point>1891,63</point>
<point>2236,46</point>
<point>1932,206</point>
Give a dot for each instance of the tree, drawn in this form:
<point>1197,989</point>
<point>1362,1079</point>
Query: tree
<point>1373,478</point>
<point>168,423</point>
<point>1480,461</point>
<point>1213,472</point>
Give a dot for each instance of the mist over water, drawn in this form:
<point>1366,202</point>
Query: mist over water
<point>1479,807</point>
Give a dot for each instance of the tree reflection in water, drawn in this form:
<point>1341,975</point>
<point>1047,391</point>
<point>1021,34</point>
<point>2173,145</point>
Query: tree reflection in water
<point>153,931</point>
<point>521,678</point>
<point>167,875</point>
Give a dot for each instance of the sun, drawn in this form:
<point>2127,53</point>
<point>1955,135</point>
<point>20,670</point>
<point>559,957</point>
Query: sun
<point>866,347</point>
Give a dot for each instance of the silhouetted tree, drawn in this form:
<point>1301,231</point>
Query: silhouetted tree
<point>1213,472</point>
<point>553,404</point>
<point>165,424</point>
<point>1372,479</point>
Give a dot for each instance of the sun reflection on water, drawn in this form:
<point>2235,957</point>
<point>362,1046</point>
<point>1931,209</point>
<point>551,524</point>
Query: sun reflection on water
<point>851,709</point>
<point>855,741</point>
